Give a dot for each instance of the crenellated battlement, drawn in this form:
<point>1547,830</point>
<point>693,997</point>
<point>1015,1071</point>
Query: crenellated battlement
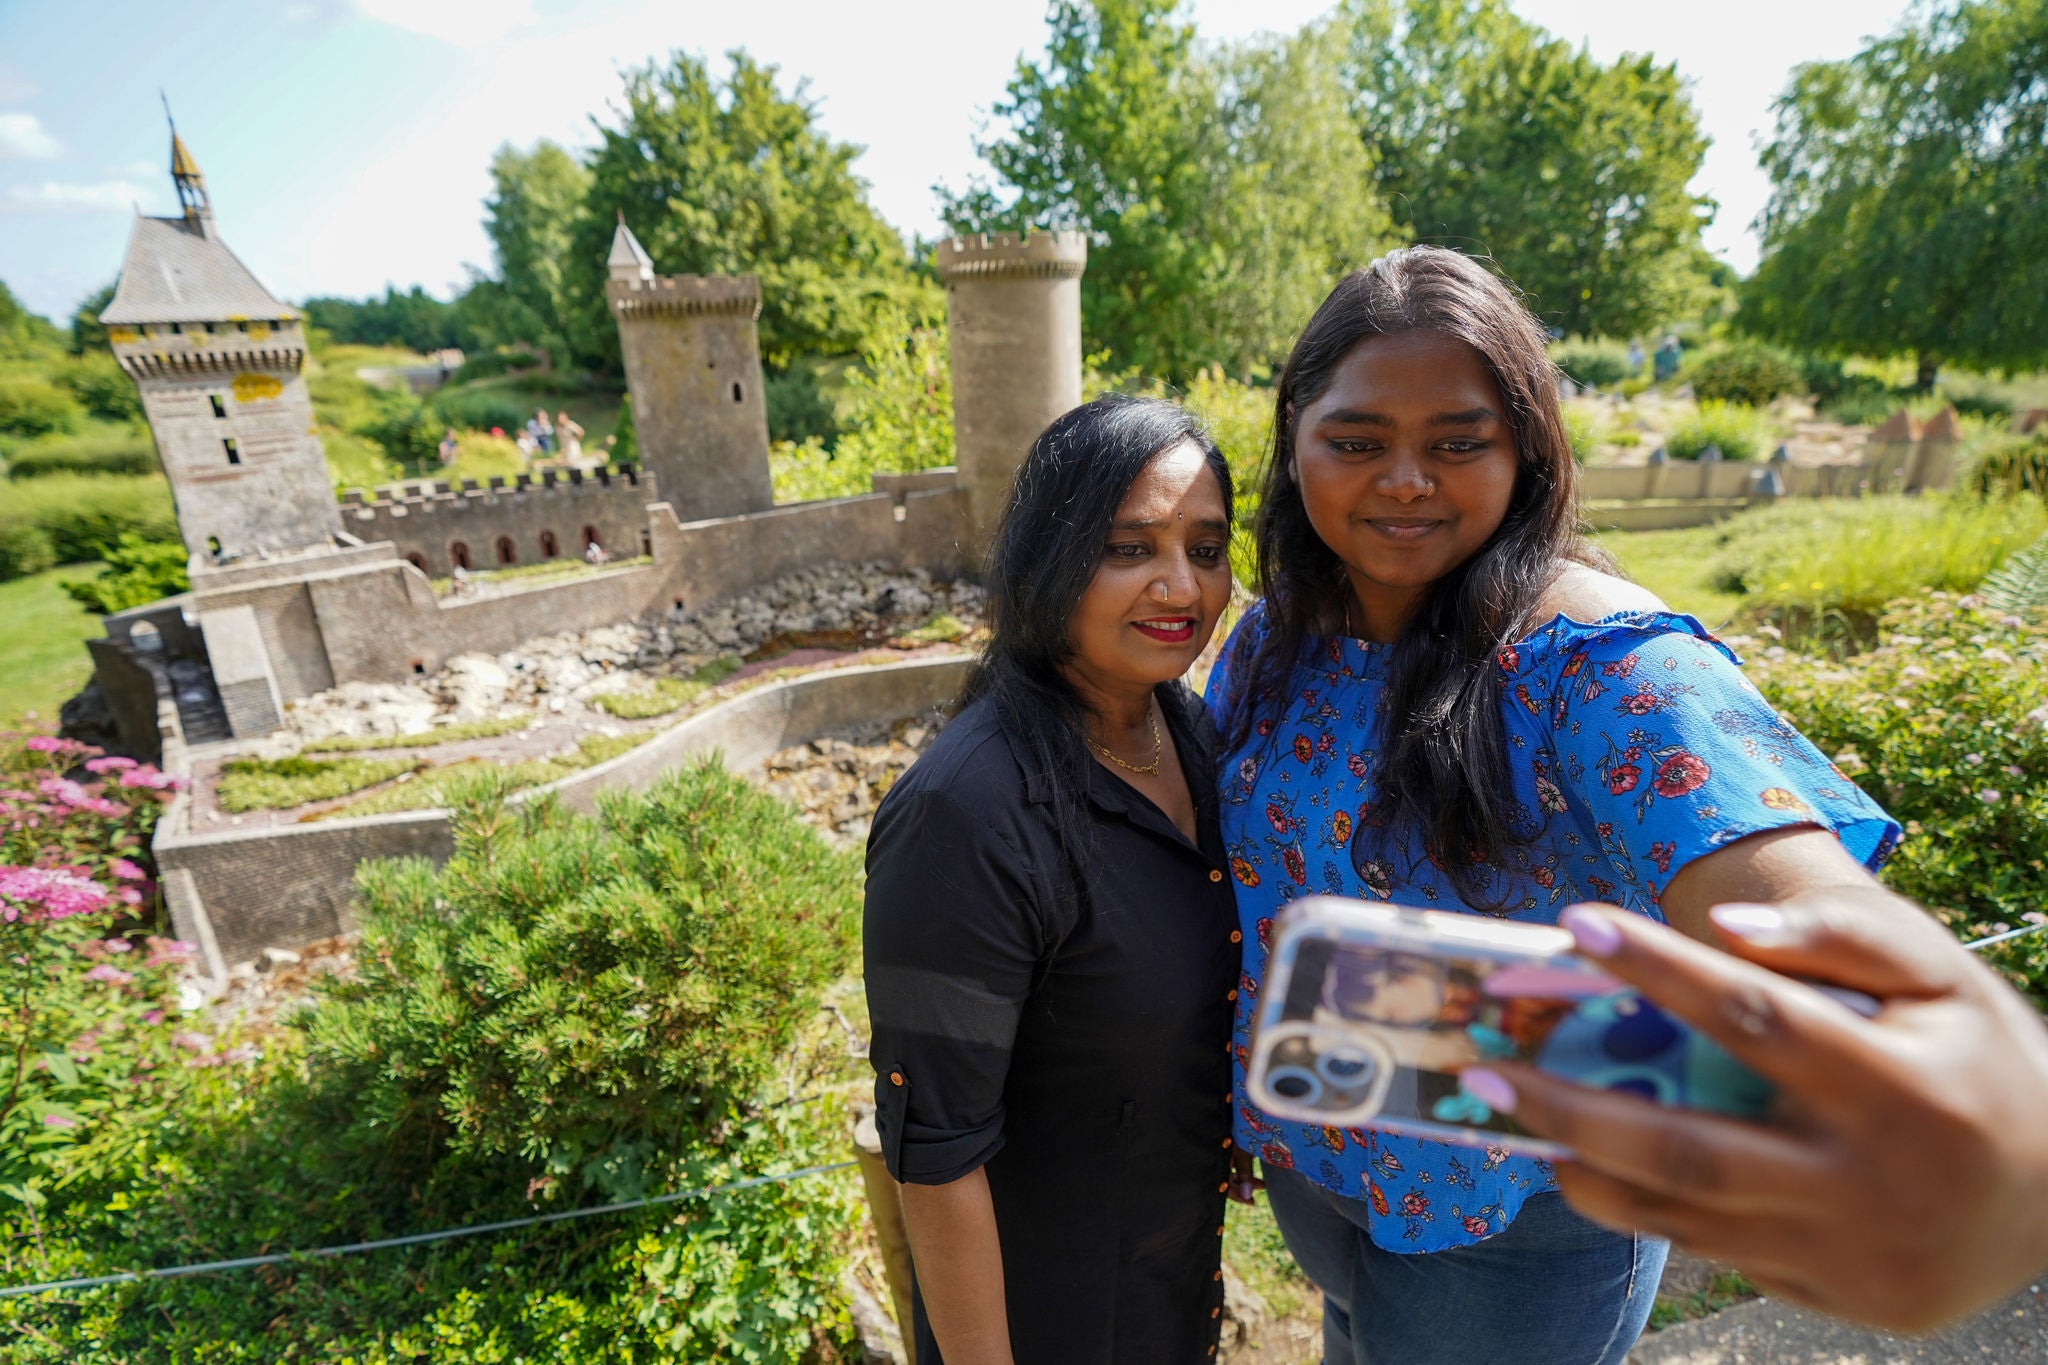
<point>1009,255</point>
<point>556,482</point>
<point>738,295</point>
<point>185,349</point>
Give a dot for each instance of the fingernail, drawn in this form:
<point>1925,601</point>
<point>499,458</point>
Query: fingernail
<point>1490,1088</point>
<point>1765,926</point>
<point>1595,934</point>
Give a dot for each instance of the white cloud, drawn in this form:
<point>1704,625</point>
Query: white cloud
<point>466,23</point>
<point>104,196</point>
<point>22,138</point>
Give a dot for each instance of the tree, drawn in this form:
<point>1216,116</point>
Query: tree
<point>1490,135</point>
<point>86,332</point>
<point>733,176</point>
<point>1220,187</point>
<point>1909,204</point>
<point>535,219</point>
<point>24,335</point>
<point>415,320</point>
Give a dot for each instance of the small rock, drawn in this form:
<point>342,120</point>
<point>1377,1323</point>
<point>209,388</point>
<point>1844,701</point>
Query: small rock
<point>280,957</point>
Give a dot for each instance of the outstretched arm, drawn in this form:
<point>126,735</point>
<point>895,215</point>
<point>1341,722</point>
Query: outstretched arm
<point>952,1231</point>
<point>1903,1181</point>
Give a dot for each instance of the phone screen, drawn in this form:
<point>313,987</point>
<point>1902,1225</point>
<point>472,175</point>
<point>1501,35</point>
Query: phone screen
<point>1355,1031</point>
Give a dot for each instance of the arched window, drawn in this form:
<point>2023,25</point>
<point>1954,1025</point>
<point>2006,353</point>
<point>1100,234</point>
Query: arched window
<point>590,537</point>
<point>507,552</point>
<point>417,560</point>
<point>548,546</point>
<point>458,555</point>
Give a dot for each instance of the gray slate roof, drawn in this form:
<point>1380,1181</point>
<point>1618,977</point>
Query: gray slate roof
<point>626,250</point>
<point>172,273</point>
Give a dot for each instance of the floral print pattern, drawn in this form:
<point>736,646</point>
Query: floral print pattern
<point>1639,747</point>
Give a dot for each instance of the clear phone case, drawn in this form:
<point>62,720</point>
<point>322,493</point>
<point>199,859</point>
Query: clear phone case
<point>1369,1011</point>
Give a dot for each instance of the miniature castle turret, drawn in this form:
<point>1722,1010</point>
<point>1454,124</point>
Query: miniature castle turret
<point>1013,314</point>
<point>693,365</point>
<point>217,360</point>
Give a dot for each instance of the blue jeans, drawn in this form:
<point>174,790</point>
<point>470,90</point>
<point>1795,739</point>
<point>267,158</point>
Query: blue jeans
<point>1553,1289</point>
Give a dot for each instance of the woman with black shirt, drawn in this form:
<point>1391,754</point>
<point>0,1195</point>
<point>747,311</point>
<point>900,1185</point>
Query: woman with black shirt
<point>1052,949</point>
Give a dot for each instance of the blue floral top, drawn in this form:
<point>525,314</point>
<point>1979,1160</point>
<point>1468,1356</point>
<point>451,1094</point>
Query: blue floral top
<point>1640,747</point>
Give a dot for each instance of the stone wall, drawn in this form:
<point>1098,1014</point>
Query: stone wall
<point>234,429</point>
<point>238,893</point>
<point>532,518</point>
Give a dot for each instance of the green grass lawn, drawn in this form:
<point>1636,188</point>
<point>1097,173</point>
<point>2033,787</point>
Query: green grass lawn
<point>1678,566</point>
<point>42,649</point>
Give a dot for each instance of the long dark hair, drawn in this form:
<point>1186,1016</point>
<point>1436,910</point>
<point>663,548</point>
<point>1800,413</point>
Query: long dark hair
<point>1444,757</point>
<point>1045,553</point>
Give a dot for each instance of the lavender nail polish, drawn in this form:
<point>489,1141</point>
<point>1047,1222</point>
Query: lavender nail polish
<point>1490,1088</point>
<point>1595,934</point>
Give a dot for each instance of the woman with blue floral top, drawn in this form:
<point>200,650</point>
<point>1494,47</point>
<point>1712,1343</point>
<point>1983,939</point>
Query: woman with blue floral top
<point>1447,698</point>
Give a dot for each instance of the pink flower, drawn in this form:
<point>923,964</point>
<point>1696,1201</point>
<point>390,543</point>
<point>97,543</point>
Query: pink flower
<point>112,763</point>
<point>118,945</point>
<point>149,777</point>
<point>192,1042</point>
<point>162,950</point>
<point>57,1120</point>
<point>59,894</point>
<point>62,789</point>
<point>1991,796</point>
<point>128,895</point>
<point>127,871</point>
<point>109,973</point>
<point>153,1017</point>
<point>50,744</point>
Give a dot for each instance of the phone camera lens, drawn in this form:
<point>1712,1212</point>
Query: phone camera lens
<point>1295,1083</point>
<point>1344,1066</point>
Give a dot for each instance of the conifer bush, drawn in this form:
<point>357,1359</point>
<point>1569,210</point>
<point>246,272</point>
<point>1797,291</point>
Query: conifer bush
<point>587,993</point>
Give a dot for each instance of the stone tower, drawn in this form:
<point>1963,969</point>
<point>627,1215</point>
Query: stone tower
<point>1013,313</point>
<point>218,360</point>
<point>693,365</point>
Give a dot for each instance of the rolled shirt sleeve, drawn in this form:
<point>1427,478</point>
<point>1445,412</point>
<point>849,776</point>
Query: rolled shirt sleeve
<point>953,944</point>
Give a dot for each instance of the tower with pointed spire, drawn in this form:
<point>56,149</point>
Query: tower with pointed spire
<point>693,366</point>
<point>218,361</point>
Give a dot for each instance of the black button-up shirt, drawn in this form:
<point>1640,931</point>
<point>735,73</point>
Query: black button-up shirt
<point>1068,1028</point>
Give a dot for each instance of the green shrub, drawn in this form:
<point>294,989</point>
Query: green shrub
<point>1593,364</point>
<point>1803,559</point>
<point>568,987</point>
<point>138,572</point>
<point>1746,372</point>
<point>799,409</point>
<point>664,696</point>
<point>943,629</point>
<point>84,515</point>
<point>1862,400</point>
<point>1990,407</point>
<point>35,407</point>
<point>656,962</point>
<point>1734,427</point>
<point>24,549</point>
<point>1945,724</point>
<point>480,410</point>
<point>2011,467</point>
<point>440,734</point>
<point>101,387</point>
<point>280,783</point>
<point>104,450</point>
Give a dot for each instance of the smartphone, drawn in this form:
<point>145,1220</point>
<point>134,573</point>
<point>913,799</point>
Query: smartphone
<point>1369,1011</point>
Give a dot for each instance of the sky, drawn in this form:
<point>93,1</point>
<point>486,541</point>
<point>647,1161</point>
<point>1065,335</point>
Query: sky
<point>346,143</point>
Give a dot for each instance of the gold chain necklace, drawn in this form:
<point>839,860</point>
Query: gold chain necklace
<point>1157,748</point>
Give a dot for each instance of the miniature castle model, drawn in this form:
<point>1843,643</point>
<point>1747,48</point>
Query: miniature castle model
<point>294,592</point>
<point>217,360</point>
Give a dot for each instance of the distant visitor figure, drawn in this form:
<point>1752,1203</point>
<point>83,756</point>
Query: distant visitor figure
<point>570,436</point>
<point>448,447</point>
<point>1668,355</point>
<point>543,430</point>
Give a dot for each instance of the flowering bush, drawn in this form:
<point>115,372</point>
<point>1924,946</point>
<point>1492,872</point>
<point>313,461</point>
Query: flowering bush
<point>84,990</point>
<point>1944,723</point>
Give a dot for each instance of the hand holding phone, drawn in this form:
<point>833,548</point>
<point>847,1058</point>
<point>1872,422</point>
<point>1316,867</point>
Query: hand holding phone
<point>1368,1013</point>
